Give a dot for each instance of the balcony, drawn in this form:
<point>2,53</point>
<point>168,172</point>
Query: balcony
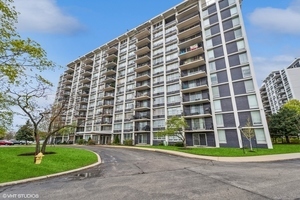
<point>87,66</point>
<point>86,73</point>
<point>109,95</point>
<point>106,123</point>
<point>190,51</point>
<point>112,50</point>
<point>186,42</point>
<point>141,106</point>
<point>84,93</point>
<point>111,57</point>
<point>142,96</point>
<point>67,88</point>
<point>70,70</point>
<point>142,76</point>
<point>109,87</point>
<point>142,67</point>
<point>69,75</point>
<point>68,81</point>
<point>143,50</point>
<point>84,86</point>
<point>109,79</point>
<point>109,71</point>
<point>143,33</point>
<point>196,114</point>
<point>88,60</point>
<point>107,113</point>
<point>141,117</point>
<point>192,75</point>
<point>108,104</point>
<point>142,86</point>
<point>111,64</point>
<point>192,62</point>
<point>186,12</point>
<point>189,19</point>
<point>143,58</point>
<point>85,80</point>
<point>194,101</point>
<point>84,101</point>
<point>143,42</point>
<point>199,128</point>
<point>187,31</point>
<point>145,128</point>
<point>193,88</point>
<point>82,108</point>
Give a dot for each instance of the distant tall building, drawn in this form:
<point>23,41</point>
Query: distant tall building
<point>193,60</point>
<point>281,86</point>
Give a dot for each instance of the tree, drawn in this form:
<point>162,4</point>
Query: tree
<point>20,58</point>
<point>248,132</point>
<point>25,132</point>
<point>175,126</point>
<point>285,123</point>
<point>2,132</point>
<point>293,104</point>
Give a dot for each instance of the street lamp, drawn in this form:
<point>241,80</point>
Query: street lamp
<point>241,131</point>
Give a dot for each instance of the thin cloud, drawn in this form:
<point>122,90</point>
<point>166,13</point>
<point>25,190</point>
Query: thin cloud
<point>264,66</point>
<point>279,20</point>
<point>46,17</point>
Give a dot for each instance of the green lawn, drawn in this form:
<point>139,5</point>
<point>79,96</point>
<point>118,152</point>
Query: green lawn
<point>234,152</point>
<point>14,167</point>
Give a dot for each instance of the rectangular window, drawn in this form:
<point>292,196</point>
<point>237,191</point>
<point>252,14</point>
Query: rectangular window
<point>159,111</point>
<point>215,91</point>
<point>172,66</point>
<point>235,21</point>
<point>209,43</point>
<point>174,111</point>
<point>210,54</point>
<point>173,88</point>
<point>159,123</point>
<point>260,136</point>
<point>198,124</point>
<point>173,99</point>
<point>212,66</point>
<point>158,79</point>
<point>243,58</point>
<point>246,72</point>
<point>171,57</point>
<point>158,89</point>
<point>219,121</point>
<point>172,77</point>
<point>256,119</point>
<point>214,79</point>
<point>240,45</point>
<point>217,105</point>
<point>249,86</point>
<point>252,101</point>
<point>222,136</point>
<point>158,51</point>
<point>171,47</point>
<point>158,100</point>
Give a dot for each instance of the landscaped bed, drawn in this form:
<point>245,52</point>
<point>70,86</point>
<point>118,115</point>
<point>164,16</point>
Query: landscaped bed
<point>15,166</point>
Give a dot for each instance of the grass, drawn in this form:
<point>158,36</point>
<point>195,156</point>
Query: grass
<point>234,152</point>
<point>14,167</point>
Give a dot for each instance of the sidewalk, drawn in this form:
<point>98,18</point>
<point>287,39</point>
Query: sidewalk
<point>267,158</point>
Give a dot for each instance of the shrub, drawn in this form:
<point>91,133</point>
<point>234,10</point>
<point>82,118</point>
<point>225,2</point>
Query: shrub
<point>128,142</point>
<point>80,141</point>
<point>91,142</point>
<point>116,140</point>
<point>179,144</point>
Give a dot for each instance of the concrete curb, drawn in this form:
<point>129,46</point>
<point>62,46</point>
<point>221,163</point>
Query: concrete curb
<point>53,175</point>
<point>262,158</point>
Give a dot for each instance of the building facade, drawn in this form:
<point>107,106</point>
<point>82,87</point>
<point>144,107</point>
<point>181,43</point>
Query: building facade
<point>281,86</point>
<point>192,61</point>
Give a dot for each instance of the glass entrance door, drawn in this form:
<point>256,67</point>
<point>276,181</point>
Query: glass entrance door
<point>142,138</point>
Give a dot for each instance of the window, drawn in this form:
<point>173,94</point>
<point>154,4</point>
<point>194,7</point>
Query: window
<point>159,123</point>
<point>246,72</point>
<point>158,100</point>
<point>158,51</point>
<point>256,119</point>
<point>158,42</point>
<point>172,77</point>
<point>130,78</point>
<point>129,87</point>
<point>127,126</point>
<point>117,126</point>
<point>171,38</point>
<point>252,101</point>
<point>217,105</point>
<point>215,91</point>
<point>249,86</point>
<point>157,34</point>
<point>195,96</point>
<point>240,45</point>
<point>158,137</point>
<point>120,89</point>
<point>210,54</point>
<point>171,57</point>
<point>129,96</point>
<point>238,33</point>
<point>127,136</point>
<point>219,121</point>
<point>129,70</point>
<point>243,58</point>
<point>158,79</point>
<point>214,78</point>
<point>209,43</point>
<point>158,89</point>
<point>260,136</point>
<point>207,32</point>
<point>235,21</point>
<point>174,111</point>
<point>233,11</point>
<point>158,60</point>
<point>222,136</point>
<point>172,66</point>
<point>120,98</point>
<point>159,111</point>
<point>198,124</point>
<point>173,99</point>
<point>118,117</point>
<point>121,81</point>
<point>170,29</point>
<point>171,47</point>
<point>197,109</point>
<point>119,107</point>
<point>128,105</point>
<point>128,115</point>
<point>206,22</point>
<point>212,66</point>
<point>158,70</point>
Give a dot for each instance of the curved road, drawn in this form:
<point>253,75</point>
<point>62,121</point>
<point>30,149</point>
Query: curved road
<point>142,175</point>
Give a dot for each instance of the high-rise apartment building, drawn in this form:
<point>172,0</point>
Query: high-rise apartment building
<point>281,86</point>
<point>192,60</point>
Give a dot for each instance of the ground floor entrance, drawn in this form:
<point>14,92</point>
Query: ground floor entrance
<point>199,139</point>
<point>105,139</point>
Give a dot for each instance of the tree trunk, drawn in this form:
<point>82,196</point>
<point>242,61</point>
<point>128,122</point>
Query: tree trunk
<point>37,146</point>
<point>250,141</point>
<point>287,139</point>
<point>45,143</point>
